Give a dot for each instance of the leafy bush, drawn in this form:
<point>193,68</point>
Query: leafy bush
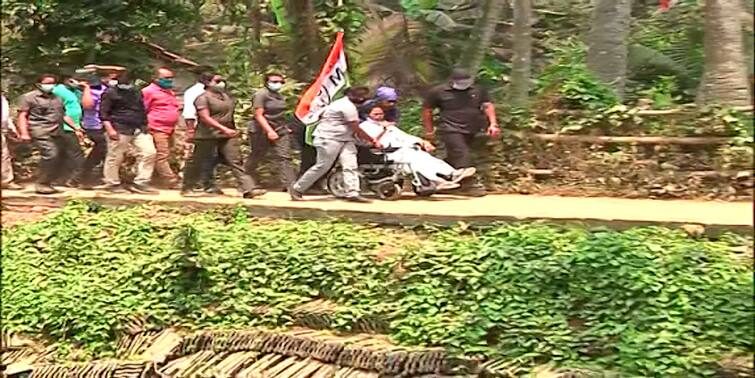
<point>648,301</point>
<point>568,78</point>
<point>663,93</point>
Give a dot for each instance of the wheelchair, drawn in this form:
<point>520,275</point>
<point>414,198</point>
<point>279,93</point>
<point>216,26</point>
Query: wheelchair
<point>380,176</point>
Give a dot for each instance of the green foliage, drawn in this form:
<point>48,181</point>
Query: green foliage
<point>663,93</point>
<point>644,302</point>
<point>669,43</point>
<point>568,78</point>
<point>340,15</point>
<point>62,35</point>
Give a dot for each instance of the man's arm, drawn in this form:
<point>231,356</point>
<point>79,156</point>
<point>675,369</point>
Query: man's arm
<point>427,121</point>
<point>204,116</point>
<point>258,103</point>
<point>203,112</point>
<point>354,125</point>
<point>23,119</point>
<point>146,99</point>
<point>106,111</point>
<point>23,125</point>
<point>493,129</point>
<point>87,101</point>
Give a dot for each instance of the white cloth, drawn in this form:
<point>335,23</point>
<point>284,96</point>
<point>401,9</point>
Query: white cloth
<point>7,120</point>
<point>408,152</point>
<point>191,94</point>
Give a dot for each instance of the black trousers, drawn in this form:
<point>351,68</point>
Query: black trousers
<point>467,150</point>
<point>458,149</point>
<point>49,147</point>
<point>207,171</point>
<point>279,152</point>
<point>96,156</point>
<point>227,151</point>
<point>61,157</point>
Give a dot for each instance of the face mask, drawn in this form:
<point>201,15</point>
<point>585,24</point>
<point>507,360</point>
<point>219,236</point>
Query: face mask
<point>461,85</point>
<point>275,87</point>
<point>112,83</point>
<point>357,101</point>
<point>165,83</point>
<point>47,88</point>
<point>125,87</point>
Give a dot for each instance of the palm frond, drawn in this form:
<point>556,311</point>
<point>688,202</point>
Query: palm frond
<point>392,47</point>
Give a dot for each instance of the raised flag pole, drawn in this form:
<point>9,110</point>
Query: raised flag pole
<point>327,87</point>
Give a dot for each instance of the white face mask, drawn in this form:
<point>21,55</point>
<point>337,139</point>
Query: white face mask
<point>47,88</point>
<point>462,85</point>
<point>112,83</point>
<point>275,87</point>
<point>220,85</point>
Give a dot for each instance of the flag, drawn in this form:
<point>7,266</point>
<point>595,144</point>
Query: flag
<point>328,86</point>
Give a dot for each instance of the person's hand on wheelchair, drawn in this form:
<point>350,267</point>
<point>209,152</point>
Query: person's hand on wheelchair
<point>426,146</point>
<point>376,144</point>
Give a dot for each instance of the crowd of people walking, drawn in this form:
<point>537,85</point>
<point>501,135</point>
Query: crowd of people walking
<point>105,113</point>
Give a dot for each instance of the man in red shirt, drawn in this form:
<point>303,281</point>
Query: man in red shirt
<point>161,105</point>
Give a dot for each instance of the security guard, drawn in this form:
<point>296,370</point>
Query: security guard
<point>465,110</point>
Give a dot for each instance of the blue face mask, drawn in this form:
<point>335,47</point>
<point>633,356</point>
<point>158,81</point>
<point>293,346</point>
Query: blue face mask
<point>165,83</point>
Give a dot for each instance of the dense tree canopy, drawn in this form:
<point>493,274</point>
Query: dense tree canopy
<point>410,43</point>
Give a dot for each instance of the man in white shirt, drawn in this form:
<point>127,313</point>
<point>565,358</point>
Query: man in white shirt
<point>335,139</point>
<point>7,164</point>
<point>408,149</point>
<point>189,114</point>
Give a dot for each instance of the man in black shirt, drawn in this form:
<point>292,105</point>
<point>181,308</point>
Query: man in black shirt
<point>465,110</point>
<point>125,121</point>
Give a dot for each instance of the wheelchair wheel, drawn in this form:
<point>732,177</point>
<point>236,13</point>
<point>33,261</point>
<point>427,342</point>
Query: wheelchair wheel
<point>388,191</point>
<point>335,183</point>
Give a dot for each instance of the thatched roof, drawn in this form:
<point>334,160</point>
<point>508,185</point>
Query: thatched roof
<point>296,353</point>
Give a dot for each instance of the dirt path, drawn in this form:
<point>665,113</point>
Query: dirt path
<point>614,212</point>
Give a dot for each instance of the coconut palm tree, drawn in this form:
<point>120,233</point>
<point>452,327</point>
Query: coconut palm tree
<point>522,60</point>
<point>607,42</point>
<point>725,79</point>
<point>482,34</point>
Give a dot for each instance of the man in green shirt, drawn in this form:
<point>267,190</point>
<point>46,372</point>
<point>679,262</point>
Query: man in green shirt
<point>75,95</point>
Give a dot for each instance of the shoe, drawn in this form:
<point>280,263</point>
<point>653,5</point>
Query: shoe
<point>295,195</point>
<point>459,175</point>
<point>143,189</point>
<point>358,199</point>
<point>189,192</point>
<point>12,186</point>
<point>474,191</point>
<point>46,189</point>
<point>447,185</point>
<point>254,193</point>
<point>115,189</point>
<point>214,190</point>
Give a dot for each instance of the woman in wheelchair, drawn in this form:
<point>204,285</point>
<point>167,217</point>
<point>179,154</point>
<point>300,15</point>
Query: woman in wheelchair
<point>402,148</point>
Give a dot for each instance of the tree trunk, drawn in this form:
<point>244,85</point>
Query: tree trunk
<point>522,60</point>
<point>607,42</point>
<point>305,37</point>
<point>725,79</point>
<point>482,34</point>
